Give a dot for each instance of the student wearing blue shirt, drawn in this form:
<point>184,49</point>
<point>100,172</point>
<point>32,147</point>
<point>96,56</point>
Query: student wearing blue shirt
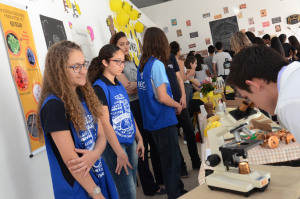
<point>158,107</point>
<point>117,120</point>
<point>69,122</point>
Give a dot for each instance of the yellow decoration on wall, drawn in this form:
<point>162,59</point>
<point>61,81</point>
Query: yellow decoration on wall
<point>136,60</point>
<point>68,2</point>
<point>134,15</point>
<point>116,5</point>
<point>116,25</point>
<point>127,7</point>
<point>77,8</point>
<point>122,18</point>
<point>139,27</point>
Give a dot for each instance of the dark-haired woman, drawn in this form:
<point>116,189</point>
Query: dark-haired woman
<point>158,107</point>
<point>250,35</point>
<point>276,45</point>
<point>202,71</point>
<point>117,120</point>
<point>69,118</point>
<point>288,50</point>
<point>128,79</point>
<point>295,47</point>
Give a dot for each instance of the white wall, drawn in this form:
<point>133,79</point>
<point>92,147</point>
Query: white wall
<point>184,10</point>
<point>20,176</point>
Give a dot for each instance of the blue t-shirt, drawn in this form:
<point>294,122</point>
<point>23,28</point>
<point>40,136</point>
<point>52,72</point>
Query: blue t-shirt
<point>155,114</point>
<point>158,74</point>
<point>121,117</point>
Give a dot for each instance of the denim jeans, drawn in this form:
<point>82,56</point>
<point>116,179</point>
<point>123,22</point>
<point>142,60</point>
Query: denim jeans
<point>166,140</point>
<point>125,184</point>
<point>148,184</point>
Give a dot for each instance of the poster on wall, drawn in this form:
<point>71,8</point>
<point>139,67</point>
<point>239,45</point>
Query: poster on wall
<point>222,30</point>
<point>206,15</point>
<point>226,10</point>
<point>243,30</point>
<point>276,20</point>
<point>251,29</point>
<point>261,32</point>
<point>82,38</point>
<point>251,21</point>
<point>179,33</point>
<point>263,13</point>
<point>53,29</point>
<point>266,24</point>
<point>239,15</point>
<point>219,16</point>
<point>166,30</point>
<point>188,23</point>
<point>192,45</point>
<point>174,22</point>
<point>243,6</point>
<point>207,41</point>
<point>24,67</point>
<point>277,28</point>
<point>193,34</point>
<point>203,53</point>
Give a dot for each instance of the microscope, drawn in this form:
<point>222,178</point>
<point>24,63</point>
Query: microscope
<point>230,173</point>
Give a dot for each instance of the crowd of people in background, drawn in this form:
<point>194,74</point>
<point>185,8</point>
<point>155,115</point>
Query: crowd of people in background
<point>98,119</point>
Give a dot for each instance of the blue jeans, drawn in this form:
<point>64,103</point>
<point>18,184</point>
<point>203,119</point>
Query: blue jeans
<point>167,143</point>
<point>125,184</point>
<point>149,186</point>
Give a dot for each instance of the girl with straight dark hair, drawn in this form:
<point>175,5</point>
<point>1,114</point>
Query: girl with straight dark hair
<point>117,119</point>
<point>129,80</point>
<point>158,107</point>
<point>276,45</point>
<point>295,47</point>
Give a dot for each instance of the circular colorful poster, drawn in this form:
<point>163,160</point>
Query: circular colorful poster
<point>36,91</point>
<point>21,78</point>
<point>31,118</point>
<point>13,43</point>
<point>30,57</point>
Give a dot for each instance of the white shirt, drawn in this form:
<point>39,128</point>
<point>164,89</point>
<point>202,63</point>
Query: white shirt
<point>219,59</point>
<point>201,75</point>
<point>186,81</point>
<point>288,103</point>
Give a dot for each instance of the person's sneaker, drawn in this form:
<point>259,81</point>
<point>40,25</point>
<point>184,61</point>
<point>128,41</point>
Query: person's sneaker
<point>184,173</point>
<point>182,192</point>
<point>161,191</point>
<point>184,142</point>
<point>196,166</point>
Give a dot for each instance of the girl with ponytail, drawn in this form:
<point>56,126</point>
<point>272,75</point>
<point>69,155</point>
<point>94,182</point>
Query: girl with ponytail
<point>122,150</point>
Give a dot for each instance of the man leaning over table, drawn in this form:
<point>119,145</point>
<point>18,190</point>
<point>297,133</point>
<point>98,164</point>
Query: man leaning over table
<point>266,78</point>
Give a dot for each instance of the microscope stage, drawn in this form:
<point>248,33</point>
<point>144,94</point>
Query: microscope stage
<point>233,181</point>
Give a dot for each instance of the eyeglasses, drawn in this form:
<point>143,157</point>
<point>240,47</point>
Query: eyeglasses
<point>77,68</point>
<point>119,62</point>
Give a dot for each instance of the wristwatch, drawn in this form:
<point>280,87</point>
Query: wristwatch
<point>97,190</point>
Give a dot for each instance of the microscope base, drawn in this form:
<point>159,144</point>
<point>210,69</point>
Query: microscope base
<point>232,181</point>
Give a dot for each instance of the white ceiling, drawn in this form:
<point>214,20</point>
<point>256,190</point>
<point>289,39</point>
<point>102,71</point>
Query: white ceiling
<point>145,3</point>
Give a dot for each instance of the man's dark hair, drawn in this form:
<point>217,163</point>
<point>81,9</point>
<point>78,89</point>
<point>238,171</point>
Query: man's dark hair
<point>191,54</point>
<point>174,47</point>
<point>211,49</point>
<point>282,37</point>
<point>219,45</point>
<point>192,51</point>
<point>250,35</point>
<point>266,36</point>
<point>259,62</point>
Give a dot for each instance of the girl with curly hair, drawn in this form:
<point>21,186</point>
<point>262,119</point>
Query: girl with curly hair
<point>117,119</point>
<point>69,119</point>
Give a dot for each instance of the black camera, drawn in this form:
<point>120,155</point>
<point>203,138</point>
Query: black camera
<point>227,64</point>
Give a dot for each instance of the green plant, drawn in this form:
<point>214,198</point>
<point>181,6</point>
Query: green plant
<point>214,78</point>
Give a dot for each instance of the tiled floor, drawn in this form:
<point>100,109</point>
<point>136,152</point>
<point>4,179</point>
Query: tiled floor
<point>189,183</point>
